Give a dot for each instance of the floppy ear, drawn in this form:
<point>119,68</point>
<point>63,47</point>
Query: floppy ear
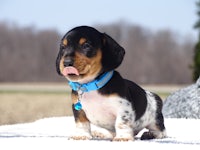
<point>112,53</point>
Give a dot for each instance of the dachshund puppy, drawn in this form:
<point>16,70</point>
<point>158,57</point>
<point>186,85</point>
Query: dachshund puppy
<point>100,95</point>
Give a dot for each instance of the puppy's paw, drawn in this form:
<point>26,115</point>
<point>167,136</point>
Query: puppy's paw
<point>147,136</point>
<point>81,135</point>
<point>123,139</point>
<point>102,135</point>
<point>75,137</point>
<point>153,135</point>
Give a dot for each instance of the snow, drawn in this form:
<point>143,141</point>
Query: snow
<point>53,133</point>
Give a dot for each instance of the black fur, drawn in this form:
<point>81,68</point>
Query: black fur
<point>58,62</point>
<point>113,53</point>
<point>128,90</point>
<point>159,117</point>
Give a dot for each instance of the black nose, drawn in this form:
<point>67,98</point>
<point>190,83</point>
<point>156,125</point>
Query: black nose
<point>68,62</point>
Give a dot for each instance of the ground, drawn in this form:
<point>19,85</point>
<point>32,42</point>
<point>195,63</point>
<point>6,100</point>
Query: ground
<point>54,133</point>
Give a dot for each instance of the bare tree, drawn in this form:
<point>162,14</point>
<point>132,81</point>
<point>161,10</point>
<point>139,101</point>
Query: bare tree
<point>27,54</point>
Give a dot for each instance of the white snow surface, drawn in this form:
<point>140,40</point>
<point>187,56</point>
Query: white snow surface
<point>54,133</point>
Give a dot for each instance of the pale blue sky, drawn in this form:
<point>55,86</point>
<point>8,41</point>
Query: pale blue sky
<point>62,15</point>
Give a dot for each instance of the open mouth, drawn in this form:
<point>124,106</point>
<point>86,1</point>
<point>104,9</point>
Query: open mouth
<point>72,74</point>
<point>70,71</point>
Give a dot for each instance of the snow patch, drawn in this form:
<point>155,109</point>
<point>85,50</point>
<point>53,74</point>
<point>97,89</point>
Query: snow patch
<point>54,133</point>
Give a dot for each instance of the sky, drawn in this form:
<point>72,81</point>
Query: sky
<point>62,15</point>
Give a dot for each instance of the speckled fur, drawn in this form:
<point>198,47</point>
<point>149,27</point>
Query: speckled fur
<point>119,116</point>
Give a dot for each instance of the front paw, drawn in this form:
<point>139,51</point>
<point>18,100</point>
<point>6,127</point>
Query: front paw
<point>82,137</point>
<point>102,135</point>
<point>123,139</point>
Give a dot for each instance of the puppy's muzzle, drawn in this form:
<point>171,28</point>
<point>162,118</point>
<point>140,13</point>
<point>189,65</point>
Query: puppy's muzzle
<point>68,62</point>
<point>68,57</point>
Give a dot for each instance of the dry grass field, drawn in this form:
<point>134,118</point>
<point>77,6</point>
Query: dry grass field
<point>28,102</point>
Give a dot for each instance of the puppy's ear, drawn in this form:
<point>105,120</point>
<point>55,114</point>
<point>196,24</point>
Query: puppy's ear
<point>58,63</point>
<point>113,53</point>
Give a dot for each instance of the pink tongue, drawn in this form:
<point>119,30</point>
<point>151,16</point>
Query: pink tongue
<point>70,70</point>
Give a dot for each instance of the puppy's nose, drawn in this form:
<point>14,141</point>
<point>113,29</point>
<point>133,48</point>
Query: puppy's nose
<point>68,62</point>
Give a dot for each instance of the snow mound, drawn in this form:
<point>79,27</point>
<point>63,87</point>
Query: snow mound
<point>184,103</point>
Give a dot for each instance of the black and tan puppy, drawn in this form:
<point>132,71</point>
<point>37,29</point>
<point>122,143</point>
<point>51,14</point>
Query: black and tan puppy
<point>88,59</point>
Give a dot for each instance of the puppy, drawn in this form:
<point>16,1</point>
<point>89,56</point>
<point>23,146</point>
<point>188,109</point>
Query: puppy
<point>100,96</point>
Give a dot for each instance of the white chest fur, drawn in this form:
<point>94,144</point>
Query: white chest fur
<point>103,110</point>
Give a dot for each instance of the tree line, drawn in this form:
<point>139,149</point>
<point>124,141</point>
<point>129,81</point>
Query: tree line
<point>28,54</point>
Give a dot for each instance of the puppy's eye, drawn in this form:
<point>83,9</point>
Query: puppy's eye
<point>87,49</point>
<point>86,46</point>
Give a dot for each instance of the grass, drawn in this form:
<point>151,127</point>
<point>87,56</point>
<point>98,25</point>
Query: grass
<point>26,107</point>
<point>28,102</point>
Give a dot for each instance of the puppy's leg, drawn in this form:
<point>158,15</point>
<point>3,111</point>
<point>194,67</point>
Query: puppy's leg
<point>124,127</point>
<point>156,128</point>
<point>83,131</point>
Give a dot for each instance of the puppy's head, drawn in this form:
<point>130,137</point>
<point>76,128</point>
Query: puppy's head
<point>85,53</point>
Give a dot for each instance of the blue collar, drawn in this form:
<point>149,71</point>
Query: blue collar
<point>93,85</point>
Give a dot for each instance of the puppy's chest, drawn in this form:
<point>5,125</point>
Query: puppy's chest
<point>102,110</point>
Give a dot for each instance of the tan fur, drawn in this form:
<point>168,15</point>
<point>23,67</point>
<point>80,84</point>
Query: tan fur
<point>64,42</point>
<point>82,117</point>
<point>82,40</point>
<point>74,98</point>
<point>88,68</point>
<point>61,66</point>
